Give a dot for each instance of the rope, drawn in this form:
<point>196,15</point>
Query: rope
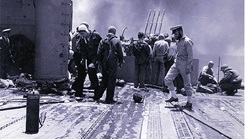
<point>185,112</point>
<point>10,123</point>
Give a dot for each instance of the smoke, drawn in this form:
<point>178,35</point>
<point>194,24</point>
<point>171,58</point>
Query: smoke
<point>216,27</point>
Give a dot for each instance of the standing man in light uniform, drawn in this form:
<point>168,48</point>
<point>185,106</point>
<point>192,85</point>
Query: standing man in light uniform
<point>160,50</point>
<point>182,65</point>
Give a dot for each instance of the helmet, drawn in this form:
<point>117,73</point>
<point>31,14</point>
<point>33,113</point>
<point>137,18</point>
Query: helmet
<point>161,37</point>
<point>85,23</point>
<point>138,98</point>
<point>166,35</point>
<point>112,30</point>
<point>210,64</point>
<point>223,67</point>
<point>6,30</point>
<point>120,82</point>
<point>82,28</point>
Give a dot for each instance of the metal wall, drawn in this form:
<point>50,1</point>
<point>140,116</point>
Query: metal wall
<point>46,23</point>
<point>53,23</point>
<point>127,71</point>
<point>19,15</point>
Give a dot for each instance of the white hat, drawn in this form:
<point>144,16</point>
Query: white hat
<point>6,30</point>
<point>82,28</point>
<point>85,23</point>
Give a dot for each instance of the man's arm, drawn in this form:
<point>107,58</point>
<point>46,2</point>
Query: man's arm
<point>189,45</point>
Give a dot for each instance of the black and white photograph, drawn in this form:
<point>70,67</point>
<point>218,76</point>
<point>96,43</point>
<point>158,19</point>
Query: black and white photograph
<point>122,69</point>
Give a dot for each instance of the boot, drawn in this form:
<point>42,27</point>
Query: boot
<point>188,106</point>
<point>172,99</point>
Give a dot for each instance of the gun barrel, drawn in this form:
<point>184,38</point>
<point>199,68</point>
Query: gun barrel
<point>152,21</point>
<point>160,28</point>
<point>147,21</point>
<point>157,21</point>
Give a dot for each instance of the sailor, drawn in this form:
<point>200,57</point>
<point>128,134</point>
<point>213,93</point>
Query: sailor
<point>231,81</point>
<point>110,56</point>
<point>80,41</point>
<point>182,65</point>
<point>5,56</point>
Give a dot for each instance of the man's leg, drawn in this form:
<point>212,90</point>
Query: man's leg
<point>94,79</point>
<point>229,88</point>
<point>142,76</point>
<point>161,75</point>
<point>102,86</point>
<point>79,81</point>
<point>149,73</point>
<point>172,73</point>
<point>111,84</point>
<point>136,75</point>
<point>187,85</point>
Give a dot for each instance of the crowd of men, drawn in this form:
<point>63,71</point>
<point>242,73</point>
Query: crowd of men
<point>168,60</point>
<point>92,54</point>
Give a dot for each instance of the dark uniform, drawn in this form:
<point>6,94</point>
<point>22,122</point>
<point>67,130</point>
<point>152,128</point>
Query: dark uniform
<point>231,80</point>
<point>5,57</point>
<point>86,49</point>
<point>110,55</point>
<point>207,74</point>
<point>81,67</point>
<point>141,51</point>
<point>89,51</point>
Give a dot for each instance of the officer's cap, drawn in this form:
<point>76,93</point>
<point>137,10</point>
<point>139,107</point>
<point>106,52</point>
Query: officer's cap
<point>175,28</point>
<point>6,30</point>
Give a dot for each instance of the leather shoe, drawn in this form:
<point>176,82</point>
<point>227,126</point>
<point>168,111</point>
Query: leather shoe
<point>79,95</point>
<point>172,99</point>
<point>188,106</point>
<point>111,102</point>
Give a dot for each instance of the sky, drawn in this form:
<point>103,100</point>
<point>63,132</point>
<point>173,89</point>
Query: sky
<point>215,26</point>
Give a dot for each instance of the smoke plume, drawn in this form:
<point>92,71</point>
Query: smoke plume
<point>215,26</point>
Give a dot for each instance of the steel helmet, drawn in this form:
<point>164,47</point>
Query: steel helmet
<point>138,98</point>
<point>82,28</point>
<point>85,23</point>
<point>223,67</point>
<point>112,30</point>
<point>6,30</point>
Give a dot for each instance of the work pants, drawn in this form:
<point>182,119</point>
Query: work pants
<point>204,80</point>
<point>81,74</point>
<point>92,73</point>
<point>178,81</point>
<point>230,87</point>
<point>139,79</point>
<point>148,76</point>
<point>179,68</point>
<point>160,71</point>
<point>109,74</point>
<point>4,63</point>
